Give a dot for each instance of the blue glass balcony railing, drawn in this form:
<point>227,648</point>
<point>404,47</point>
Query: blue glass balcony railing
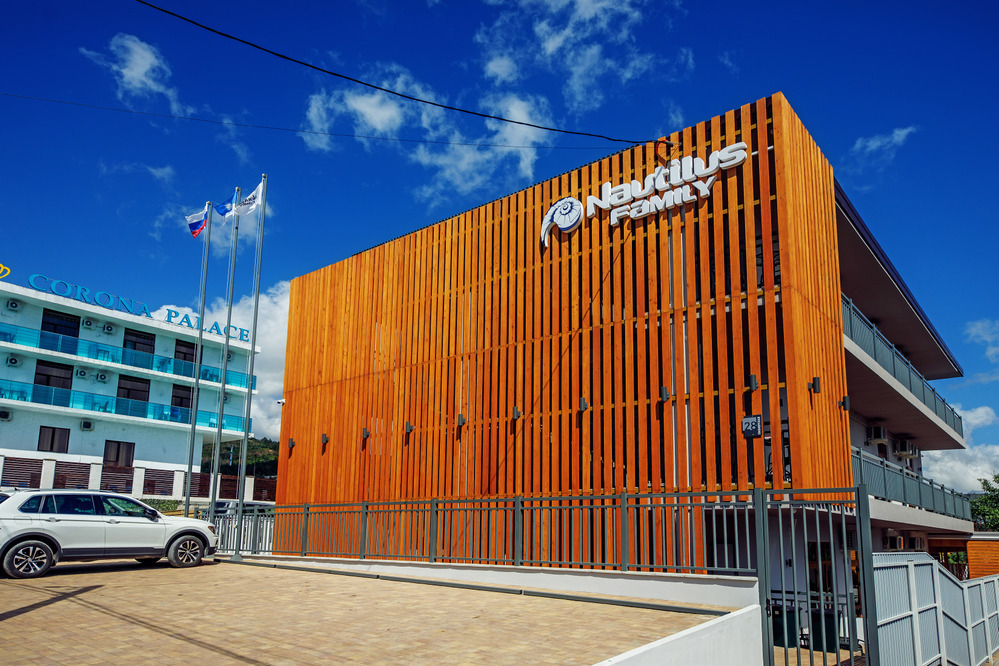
<point>66,344</point>
<point>860,329</point>
<point>93,402</point>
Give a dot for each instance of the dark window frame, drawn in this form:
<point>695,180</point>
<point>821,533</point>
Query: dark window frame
<point>139,341</point>
<point>47,438</point>
<point>118,449</point>
<point>136,388</point>
<point>62,377</point>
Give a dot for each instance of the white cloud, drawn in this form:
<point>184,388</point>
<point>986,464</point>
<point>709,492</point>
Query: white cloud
<point>272,332</point>
<point>501,69</point>
<point>461,168</point>
<point>961,470</point>
<point>163,174</point>
<point>593,45</point>
<point>675,116</point>
<point>140,70</point>
<point>878,151</point>
<point>725,58</point>
<point>230,137</point>
<point>985,332</point>
<point>976,417</point>
<point>375,112</point>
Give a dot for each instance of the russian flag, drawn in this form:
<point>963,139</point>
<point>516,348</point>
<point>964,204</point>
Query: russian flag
<point>197,222</point>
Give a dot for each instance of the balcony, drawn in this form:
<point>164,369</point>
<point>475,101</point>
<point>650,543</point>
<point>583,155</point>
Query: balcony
<point>893,483</point>
<point>109,404</point>
<point>66,344</point>
<point>858,328</point>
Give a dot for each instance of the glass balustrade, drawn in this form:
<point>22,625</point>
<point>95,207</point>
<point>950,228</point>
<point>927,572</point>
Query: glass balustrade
<point>66,344</point>
<point>93,402</point>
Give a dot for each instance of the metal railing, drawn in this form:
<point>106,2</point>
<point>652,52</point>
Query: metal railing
<point>859,328</point>
<point>927,616</point>
<point>67,344</point>
<point>94,402</point>
<point>888,481</point>
<point>796,543</point>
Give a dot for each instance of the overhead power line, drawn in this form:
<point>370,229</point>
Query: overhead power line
<point>380,88</point>
<point>229,123</point>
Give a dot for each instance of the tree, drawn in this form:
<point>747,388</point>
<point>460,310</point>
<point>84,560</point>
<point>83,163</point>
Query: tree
<point>985,506</point>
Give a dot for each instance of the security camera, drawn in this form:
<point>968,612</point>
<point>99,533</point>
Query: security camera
<point>281,401</point>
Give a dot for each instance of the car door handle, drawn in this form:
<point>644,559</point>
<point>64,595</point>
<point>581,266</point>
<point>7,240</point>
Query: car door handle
<point>51,520</point>
<point>113,521</point>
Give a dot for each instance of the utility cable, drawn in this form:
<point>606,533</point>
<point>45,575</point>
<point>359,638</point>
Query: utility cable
<point>229,123</point>
<point>384,90</point>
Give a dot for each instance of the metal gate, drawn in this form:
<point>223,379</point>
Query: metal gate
<point>816,578</point>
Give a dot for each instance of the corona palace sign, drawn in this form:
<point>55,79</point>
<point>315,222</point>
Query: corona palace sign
<point>684,181</point>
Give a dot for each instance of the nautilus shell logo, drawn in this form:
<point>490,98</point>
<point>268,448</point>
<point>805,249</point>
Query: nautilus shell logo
<point>4,271</point>
<point>566,214</point>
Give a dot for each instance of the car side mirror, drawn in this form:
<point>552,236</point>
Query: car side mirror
<point>151,514</point>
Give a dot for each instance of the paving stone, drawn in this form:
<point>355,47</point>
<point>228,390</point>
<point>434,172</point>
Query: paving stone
<point>123,613</point>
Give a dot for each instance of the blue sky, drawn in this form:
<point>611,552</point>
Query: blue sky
<point>898,96</point>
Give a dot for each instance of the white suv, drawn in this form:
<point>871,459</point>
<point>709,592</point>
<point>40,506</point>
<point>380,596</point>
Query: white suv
<point>41,527</point>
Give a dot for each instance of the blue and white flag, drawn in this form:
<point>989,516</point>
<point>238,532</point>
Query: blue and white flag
<point>225,208</point>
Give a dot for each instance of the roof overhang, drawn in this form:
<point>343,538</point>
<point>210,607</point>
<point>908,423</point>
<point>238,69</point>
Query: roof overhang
<point>872,282</point>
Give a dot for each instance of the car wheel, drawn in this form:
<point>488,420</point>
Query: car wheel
<point>186,551</point>
<point>147,561</point>
<point>28,559</point>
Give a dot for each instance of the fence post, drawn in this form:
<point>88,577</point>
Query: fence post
<point>364,530</point>
<point>518,531</point>
<point>763,573</point>
<point>866,558</point>
<point>432,536</point>
<point>625,519</point>
<point>305,529</point>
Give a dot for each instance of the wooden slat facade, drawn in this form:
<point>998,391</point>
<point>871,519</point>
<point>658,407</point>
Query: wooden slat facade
<point>472,316</point>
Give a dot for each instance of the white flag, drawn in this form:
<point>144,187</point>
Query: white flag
<point>250,203</point>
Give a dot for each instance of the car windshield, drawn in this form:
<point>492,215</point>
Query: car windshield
<point>3,497</point>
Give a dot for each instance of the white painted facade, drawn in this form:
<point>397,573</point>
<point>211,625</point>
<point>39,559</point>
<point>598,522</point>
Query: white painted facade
<point>92,410</point>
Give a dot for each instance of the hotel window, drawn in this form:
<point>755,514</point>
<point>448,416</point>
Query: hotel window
<point>139,341</point>
<point>55,440</point>
<point>185,351</point>
<point>119,454</point>
<point>59,332</point>
<point>181,397</point>
<point>133,388</point>
<point>55,375</point>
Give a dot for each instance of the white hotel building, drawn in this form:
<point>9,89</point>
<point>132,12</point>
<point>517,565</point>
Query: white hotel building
<point>96,393</point>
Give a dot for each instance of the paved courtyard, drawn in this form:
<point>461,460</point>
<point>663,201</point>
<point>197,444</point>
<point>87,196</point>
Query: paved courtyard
<point>119,612</point>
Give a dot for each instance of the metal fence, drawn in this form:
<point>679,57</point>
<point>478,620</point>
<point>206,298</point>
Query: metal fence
<point>891,482</point>
<point>808,550</point>
<point>859,328</point>
<point>927,616</point>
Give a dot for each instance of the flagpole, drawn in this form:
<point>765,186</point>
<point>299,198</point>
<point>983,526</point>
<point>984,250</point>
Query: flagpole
<point>253,346</point>
<point>197,363</point>
<point>225,363</point>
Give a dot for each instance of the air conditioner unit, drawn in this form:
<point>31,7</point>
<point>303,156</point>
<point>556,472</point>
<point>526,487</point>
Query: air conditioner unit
<point>905,449</point>
<point>894,543</point>
<point>225,397</point>
<point>917,543</point>
<point>107,328</point>
<point>13,305</point>
<point>86,425</point>
<point>5,415</point>
<point>878,435</point>
<point>88,323</point>
<point>228,356</point>
<point>101,377</point>
<point>81,373</point>
<point>13,362</point>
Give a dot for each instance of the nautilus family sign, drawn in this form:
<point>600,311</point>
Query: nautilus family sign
<point>683,181</point>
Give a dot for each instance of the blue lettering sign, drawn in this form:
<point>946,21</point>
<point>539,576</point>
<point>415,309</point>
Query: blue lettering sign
<point>186,321</point>
<point>244,335</point>
<point>36,276</point>
<point>170,315</point>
